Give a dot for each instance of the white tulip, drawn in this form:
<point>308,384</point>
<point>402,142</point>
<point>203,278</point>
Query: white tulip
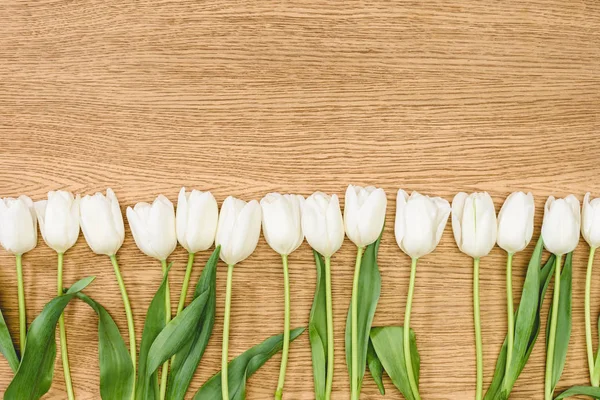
<point>515,222</point>
<point>18,225</point>
<point>58,218</point>
<point>238,229</point>
<point>474,223</point>
<point>102,222</point>
<point>560,228</point>
<point>420,222</point>
<point>196,220</point>
<point>322,223</point>
<point>281,221</point>
<point>590,221</point>
<point>153,227</point>
<point>364,214</point>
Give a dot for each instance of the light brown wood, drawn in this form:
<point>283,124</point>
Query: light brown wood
<point>244,98</point>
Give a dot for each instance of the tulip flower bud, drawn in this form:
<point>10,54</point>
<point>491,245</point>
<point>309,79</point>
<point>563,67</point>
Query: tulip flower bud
<point>364,214</point>
<point>58,218</point>
<point>18,225</point>
<point>281,221</point>
<point>562,221</point>
<point>322,223</point>
<point>102,222</point>
<point>420,222</point>
<point>196,220</point>
<point>590,221</point>
<point>474,223</point>
<point>153,227</point>
<point>515,222</point>
<point>238,229</point>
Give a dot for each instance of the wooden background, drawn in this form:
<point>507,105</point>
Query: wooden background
<point>247,97</point>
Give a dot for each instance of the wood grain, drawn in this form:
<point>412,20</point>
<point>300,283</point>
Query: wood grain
<point>244,98</point>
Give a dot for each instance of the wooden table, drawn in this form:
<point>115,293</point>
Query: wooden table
<point>245,98</point>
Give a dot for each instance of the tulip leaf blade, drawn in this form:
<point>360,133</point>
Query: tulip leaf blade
<point>591,391</point>
<point>317,330</point>
<point>243,367</point>
<point>188,358</point>
<point>563,325</point>
<point>502,385</point>
<point>176,334</point>
<point>34,376</point>
<point>7,347</point>
<point>388,345</point>
<point>375,367</point>
<point>147,386</point>
<point>369,289</point>
<point>116,368</point>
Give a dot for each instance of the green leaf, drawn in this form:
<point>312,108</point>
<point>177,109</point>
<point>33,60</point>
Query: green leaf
<point>188,358</point>
<point>502,385</point>
<point>369,288</point>
<point>116,368</point>
<point>591,391</point>
<point>6,345</point>
<point>317,330</point>
<point>243,367</point>
<point>388,345</point>
<point>563,326</point>
<point>375,367</point>
<point>176,334</point>
<point>147,386</point>
<point>34,376</point>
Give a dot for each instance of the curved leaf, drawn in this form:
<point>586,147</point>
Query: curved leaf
<point>7,347</point>
<point>375,367</point>
<point>147,385</point>
<point>116,368</point>
<point>34,376</point>
<point>591,391</point>
<point>563,326</point>
<point>388,345</point>
<point>502,385</point>
<point>187,359</point>
<point>369,288</point>
<point>242,367</point>
<point>176,334</point>
<point>317,330</point>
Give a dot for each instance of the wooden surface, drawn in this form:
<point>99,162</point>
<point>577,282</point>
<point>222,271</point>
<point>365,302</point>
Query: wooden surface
<point>247,97</point>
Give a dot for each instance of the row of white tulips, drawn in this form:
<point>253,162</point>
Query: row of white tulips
<point>286,220</point>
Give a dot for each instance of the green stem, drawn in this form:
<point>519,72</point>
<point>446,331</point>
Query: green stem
<point>165,368</point>
<point>548,389</point>
<point>225,349</point>
<point>330,344</point>
<point>184,288</point>
<point>354,376</point>
<point>478,342</point>
<point>63,334</point>
<point>186,283</point>
<point>510,312</point>
<point>286,329</point>
<point>129,315</point>
<point>406,331</point>
<point>588,319</point>
<point>21,297</point>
